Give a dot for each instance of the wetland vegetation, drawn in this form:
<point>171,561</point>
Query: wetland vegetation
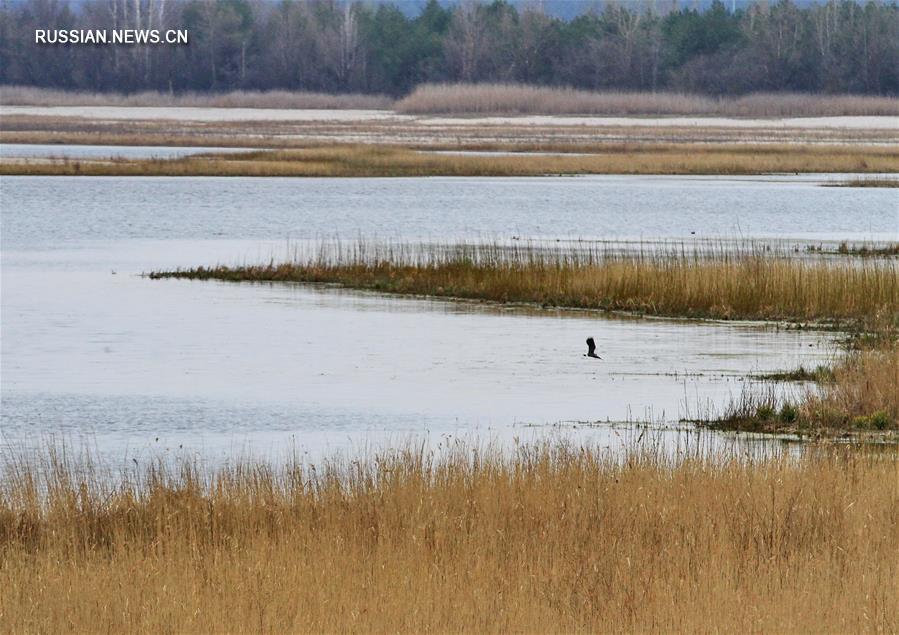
<point>868,182</point>
<point>698,282</point>
<point>858,395</point>
<point>347,160</point>
<point>680,529</point>
<point>548,538</point>
<point>521,99</point>
<point>819,373</point>
<point>850,249</point>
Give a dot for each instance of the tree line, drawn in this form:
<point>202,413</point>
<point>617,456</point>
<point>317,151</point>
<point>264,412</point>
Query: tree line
<point>840,46</point>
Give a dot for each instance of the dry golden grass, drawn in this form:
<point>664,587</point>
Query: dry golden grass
<point>857,396</point>
<point>32,96</point>
<point>668,283</point>
<point>864,393</point>
<point>521,99</point>
<point>394,161</point>
<point>550,539</point>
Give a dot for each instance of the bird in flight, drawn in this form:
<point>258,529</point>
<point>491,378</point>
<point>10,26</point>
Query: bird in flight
<point>591,349</point>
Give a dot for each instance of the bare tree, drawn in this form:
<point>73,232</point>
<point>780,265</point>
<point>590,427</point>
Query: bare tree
<point>465,41</point>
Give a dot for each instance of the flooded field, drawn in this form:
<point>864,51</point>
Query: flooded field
<point>90,349</point>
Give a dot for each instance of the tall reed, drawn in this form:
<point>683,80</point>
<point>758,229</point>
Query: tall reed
<point>549,539</point>
<point>519,99</point>
<point>691,282</point>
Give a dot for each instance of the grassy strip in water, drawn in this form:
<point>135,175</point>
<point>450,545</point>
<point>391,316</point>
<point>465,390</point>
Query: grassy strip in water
<point>416,135</point>
<point>867,182</point>
<point>752,287</point>
<point>396,161</point>
<point>847,249</point>
<point>817,374</point>
<point>548,539</point>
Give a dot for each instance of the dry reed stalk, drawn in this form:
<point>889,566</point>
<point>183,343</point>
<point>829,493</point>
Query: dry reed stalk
<point>696,284</point>
<point>521,99</point>
<point>551,539</point>
<point>857,397</point>
<point>864,393</point>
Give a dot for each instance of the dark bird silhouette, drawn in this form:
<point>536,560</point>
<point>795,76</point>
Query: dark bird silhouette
<point>591,349</point>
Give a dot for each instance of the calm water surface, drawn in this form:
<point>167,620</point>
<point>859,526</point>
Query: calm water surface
<point>39,211</point>
<point>91,348</point>
<point>47,151</point>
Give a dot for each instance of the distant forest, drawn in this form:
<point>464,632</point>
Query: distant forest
<point>840,46</point>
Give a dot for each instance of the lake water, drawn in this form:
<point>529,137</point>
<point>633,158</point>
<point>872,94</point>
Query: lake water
<point>90,349</point>
<point>55,211</point>
<point>55,151</point>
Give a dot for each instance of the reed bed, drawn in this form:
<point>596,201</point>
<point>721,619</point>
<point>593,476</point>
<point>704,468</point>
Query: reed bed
<point>864,250</point>
<point>396,161</point>
<point>551,538</point>
<point>31,96</point>
<point>864,393</point>
<point>859,395</point>
<point>466,99</point>
<point>519,99</point>
<point>702,282</point>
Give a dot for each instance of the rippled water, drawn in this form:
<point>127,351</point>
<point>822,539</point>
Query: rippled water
<point>56,210</point>
<point>90,347</point>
